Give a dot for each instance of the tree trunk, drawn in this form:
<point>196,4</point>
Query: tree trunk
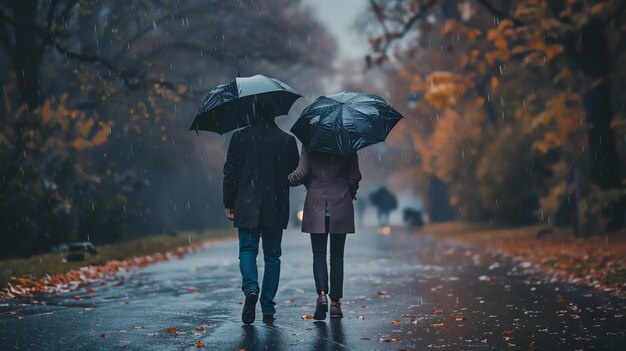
<point>438,207</point>
<point>595,63</point>
<point>27,53</point>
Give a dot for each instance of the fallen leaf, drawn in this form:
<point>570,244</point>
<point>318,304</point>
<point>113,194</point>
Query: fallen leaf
<point>91,291</point>
<point>193,290</point>
<point>171,330</point>
<point>103,335</point>
<point>199,328</point>
<point>395,322</point>
<point>439,325</point>
<point>307,316</point>
<point>507,331</point>
<point>78,297</point>
<point>199,344</point>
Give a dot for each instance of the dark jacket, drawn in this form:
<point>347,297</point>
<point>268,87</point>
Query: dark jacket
<point>332,182</point>
<point>258,162</point>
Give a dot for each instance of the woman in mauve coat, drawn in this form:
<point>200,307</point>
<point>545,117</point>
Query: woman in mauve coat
<point>331,182</point>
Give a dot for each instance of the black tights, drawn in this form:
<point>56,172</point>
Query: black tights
<point>319,242</point>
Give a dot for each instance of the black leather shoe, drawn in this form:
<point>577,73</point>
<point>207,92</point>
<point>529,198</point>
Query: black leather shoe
<point>321,308</point>
<point>249,307</point>
<point>335,311</point>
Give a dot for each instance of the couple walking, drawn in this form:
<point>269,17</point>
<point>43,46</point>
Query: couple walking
<point>262,162</point>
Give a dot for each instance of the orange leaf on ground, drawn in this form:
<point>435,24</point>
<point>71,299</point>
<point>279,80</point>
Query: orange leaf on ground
<point>193,290</point>
<point>171,330</point>
<point>91,291</point>
<point>307,316</point>
<point>25,281</point>
<point>78,297</point>
<point>199,344</point>
<point>395,322</point>
<point>199,328</point>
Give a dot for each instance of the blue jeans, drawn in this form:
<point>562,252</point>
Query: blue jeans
<point>248,250</point>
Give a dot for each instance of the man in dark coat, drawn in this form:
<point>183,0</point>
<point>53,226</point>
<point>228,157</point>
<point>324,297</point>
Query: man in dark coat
<point>256,198</point>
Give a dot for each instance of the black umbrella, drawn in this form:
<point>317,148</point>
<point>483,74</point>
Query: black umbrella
<point>236,104</point>
<point>344,123</point>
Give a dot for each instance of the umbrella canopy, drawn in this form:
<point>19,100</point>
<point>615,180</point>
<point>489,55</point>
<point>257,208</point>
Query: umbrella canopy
<point>236,104</point>
<point>345,122</point>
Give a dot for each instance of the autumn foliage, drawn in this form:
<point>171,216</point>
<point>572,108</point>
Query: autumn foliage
<point>96,101</point>
<point>516,112</point>
<point>47,187</point>
<point>86,277</point>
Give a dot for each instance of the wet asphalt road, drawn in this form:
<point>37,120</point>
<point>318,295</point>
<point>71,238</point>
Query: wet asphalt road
<point>402,291</point>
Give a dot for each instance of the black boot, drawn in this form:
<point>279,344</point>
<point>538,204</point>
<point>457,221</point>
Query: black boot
<point>335,310</point>
<point>249,307</point>
<point>321,308</point>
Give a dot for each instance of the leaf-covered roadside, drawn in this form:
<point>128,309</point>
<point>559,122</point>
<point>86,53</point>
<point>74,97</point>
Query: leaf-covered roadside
<point>599,262</point>
<point>49,274</point>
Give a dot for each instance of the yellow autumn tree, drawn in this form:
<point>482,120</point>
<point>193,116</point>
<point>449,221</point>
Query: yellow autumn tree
<point>541,71</point>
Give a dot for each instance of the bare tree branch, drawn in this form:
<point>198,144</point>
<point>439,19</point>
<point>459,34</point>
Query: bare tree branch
<point>66,10</point>
<point>131,80</point>
<point>391,37</point>
<point>500,15</point>
<point>169,17</point>
<point>50,16</point>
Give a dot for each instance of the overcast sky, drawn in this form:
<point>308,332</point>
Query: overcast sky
<point>339,17</point>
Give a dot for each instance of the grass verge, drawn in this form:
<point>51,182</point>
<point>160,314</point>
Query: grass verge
<point>39,266</point>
